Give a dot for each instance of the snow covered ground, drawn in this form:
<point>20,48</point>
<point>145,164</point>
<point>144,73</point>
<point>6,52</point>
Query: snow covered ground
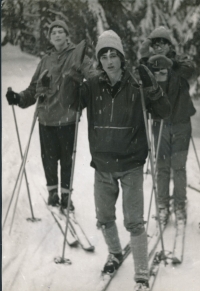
<point>29,251</point>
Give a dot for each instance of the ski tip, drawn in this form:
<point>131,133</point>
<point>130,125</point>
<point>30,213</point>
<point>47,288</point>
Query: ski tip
<point>176,261</point>
<point>90,249</point>
<point>74,244</point>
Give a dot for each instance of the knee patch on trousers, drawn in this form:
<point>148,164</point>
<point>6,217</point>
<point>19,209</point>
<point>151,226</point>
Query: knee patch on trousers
<point>101,225</point>
<point>137,230</point>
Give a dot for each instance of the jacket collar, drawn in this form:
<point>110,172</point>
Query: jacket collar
<point>103,77</point>
<point>52,49</point>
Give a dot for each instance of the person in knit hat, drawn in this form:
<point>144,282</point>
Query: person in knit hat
<point>118,147</point>
<point>172,73</point>
<point>56,87</point>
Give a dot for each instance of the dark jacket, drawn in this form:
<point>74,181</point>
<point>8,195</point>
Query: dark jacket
<point>116,127</point>
<point>177,88</point>
<point>60,103</point>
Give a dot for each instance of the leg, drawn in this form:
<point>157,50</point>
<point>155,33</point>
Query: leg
<point>163,164</point>
<point>66,140</point>
<point>132,186</point>
<point>106,193</point>
<point>49,153</point>
<point>180,143</point>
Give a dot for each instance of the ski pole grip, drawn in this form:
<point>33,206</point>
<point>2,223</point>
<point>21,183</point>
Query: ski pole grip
<point>9,89</point>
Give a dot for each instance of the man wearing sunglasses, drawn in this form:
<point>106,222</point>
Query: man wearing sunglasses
<point>172,73</point>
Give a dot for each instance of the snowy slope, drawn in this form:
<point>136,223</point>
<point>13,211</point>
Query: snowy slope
<point>29,250</point>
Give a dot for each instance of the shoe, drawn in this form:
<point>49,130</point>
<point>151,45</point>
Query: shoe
<point>142,286</point>
<point>164,215</point>
<point>180,213</point>
<point>113,263</point>
<point>64,202</point>
<point>53,198</point>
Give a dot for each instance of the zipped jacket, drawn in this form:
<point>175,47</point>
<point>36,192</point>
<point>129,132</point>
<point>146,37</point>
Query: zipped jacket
<point>116,126</point>
<point>59,105</point>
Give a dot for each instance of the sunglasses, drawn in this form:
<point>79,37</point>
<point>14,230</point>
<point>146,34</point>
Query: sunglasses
<point>159,42</point>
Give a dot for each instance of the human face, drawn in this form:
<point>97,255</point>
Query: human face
<point>160,46</point>
<point>58,38</point>
<point>111,62</point>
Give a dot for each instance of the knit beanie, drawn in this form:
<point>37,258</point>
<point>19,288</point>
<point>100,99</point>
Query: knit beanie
<point>109,39</point>
<point>58,23</point>
<point>160,32</point>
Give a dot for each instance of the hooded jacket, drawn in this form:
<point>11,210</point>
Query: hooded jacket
<point>59,105</point>
<point>177,87</point>
<point>116,126</point>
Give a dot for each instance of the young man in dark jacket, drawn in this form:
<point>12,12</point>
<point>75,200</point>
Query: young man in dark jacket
<point>172,73</point>
<point>118,147</point>
<point>56,89</point>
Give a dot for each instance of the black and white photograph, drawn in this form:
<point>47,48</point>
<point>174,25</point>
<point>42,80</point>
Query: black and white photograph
<point>100,145</point>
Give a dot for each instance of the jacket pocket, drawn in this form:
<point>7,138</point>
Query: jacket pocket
<point>113,139</point>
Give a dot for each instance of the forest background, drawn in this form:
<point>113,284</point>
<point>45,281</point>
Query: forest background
<point>26,24</point>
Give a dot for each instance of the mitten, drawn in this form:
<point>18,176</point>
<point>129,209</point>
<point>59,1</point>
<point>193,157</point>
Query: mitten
<point>160,62</point>
<point>12,97</point>
<point>149,83</point>
<point>76,74</point>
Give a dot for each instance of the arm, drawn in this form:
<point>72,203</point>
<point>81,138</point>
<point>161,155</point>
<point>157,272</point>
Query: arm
<point>159,108</point>
<point>157,102</point>
<point>27,97</point>
<point>183,66</point>
<point>84,95</point>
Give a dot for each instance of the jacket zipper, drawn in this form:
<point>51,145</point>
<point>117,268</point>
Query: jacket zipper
<point>113,98</point>
<point>111,117</point>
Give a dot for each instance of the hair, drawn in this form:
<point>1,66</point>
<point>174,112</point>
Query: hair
<point>66,32</point>
<point>105,50</point>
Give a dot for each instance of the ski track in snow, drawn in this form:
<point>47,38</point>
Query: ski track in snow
<point>28,252</point>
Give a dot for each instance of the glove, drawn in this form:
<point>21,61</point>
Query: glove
<point>12,97</point>
<point>149,83</point>
<point>145,48</point>
<point>160,62</point>
<point>76,74</point>
<point>45,80</point>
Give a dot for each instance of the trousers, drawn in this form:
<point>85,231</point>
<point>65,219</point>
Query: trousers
<point>106,191</point>
<point>57,145</point>
<point>172,156</point>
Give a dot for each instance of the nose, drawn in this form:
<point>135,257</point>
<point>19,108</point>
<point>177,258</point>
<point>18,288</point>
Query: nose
<point>109,60</point>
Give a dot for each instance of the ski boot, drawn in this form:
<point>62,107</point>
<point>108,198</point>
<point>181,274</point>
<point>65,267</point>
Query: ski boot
<point>64,202</point>
<point>181,215</point>
<point>164,215</point>
<point>113,263</point>
<point>53,198</point>
<point>141,286</point>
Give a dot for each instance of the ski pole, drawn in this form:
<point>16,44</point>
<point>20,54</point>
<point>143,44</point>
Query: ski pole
<point>152,165</point>
<point>12,196</point>
<point>22,167</point>
<point>195,151</point>
<point>151,134</point>
<point>157,153</point>
<point>25,175</point>
<point>61,260</point>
